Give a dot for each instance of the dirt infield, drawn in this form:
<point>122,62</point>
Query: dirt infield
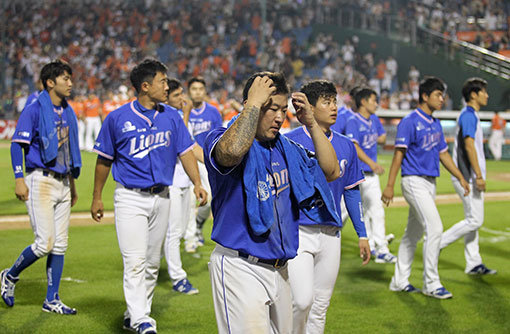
<point>84,219</point>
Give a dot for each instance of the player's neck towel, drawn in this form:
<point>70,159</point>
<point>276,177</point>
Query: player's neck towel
<point>48,133</point>
<point>307,182</point>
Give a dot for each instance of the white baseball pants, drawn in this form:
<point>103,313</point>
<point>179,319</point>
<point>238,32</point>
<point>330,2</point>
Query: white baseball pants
<point>496,141</point>
<point>141,220</point>
<point>180,208</point>
<point>92,127</point>
<point>373,213</point>
<point>419,193</point>
<point>49,209</point>
<point>468,227</point>
<point>248,297</point>
<point>312,275</point>
<point>202,212</point>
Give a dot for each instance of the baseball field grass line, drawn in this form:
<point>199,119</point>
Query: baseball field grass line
<point>361,301</point>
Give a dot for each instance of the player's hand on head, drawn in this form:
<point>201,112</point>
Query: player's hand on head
<point>387,195</point>
<point>364,251</point>
<point>303,108</point>
<point>260,92</point>
<point>21,189</point>
<point>97,210</point>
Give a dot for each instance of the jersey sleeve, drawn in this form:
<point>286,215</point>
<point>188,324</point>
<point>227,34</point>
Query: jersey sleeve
<point>25,128</point>
<point>404,133</point>
<point>352,130</point>
<point>209,144</point>
<point>105,142</point>
<point>443,146</point>
<point>185,142</point>
<point>378,125</point>
<point>467,124</point>
<point>353,173</point>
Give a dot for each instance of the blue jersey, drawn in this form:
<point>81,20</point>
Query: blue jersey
<point>27,132</point>
<point>422,137</point>
<point>350,172</point>
<point>365,132</point>
<point>343,115</point>
<point>31,98</point>
<point>231,227</point>
<point>143,144</point>
<point>203,120</point>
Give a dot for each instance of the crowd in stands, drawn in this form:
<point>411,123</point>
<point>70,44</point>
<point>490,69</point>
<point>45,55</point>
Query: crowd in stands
<point>219,40</point>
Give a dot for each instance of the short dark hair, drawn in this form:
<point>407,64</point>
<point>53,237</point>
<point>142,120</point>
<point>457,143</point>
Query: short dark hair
<point>363,93</point>
<point>53,70</point>
<point>145,72</point>
<point>428,85</point>
<point>353,91</point>
<point>173,84</point>
<point>278,81</point>
<point>473,85</point>
<point>196,79</point>
<point>317,89</point>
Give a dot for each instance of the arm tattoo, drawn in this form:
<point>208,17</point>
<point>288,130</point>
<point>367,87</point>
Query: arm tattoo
<point>237,140</point>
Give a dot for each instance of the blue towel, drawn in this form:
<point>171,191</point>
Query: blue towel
<point>48,133</point>
<point>307,182</point>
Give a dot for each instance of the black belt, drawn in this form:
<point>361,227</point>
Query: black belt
<point>278,263</point>
<point>50,173</point>
<point>151,190</point>
<point>368,173</point>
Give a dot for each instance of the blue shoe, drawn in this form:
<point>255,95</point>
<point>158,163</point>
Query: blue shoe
<point>184,286</point>
<point>126,324</point>
<point>411,289</point>
<point>385,258</point>
<point>7,287</point>
<point>439,293</point>
<point>480,269</point>
<point>146,328</point>
<point>56,306</point>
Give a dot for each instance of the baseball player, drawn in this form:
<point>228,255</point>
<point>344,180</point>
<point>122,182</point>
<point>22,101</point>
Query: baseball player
<point>365,130</point>
<point>419,146</point>
<point>469,157</point>
<point>47,134</point>
<point>142,140</point>
<point>93,112</point>
<point>313,272</point>
<point>182,207</point>
<point>259,181</point>
<point>203,118</point>
<point>344,113</point>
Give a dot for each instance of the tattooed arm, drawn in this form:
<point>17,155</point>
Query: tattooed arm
<point>237,140</point>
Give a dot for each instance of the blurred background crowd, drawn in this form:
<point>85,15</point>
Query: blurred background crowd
<point>223,41</point>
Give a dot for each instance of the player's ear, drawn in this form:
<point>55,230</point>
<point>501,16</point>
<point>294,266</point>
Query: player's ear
<point>50,83</point>
<point>144,87</point>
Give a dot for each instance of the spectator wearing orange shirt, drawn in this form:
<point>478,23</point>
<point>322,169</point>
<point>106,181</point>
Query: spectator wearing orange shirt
<point>497,138</point>
<point>92,120</point>
<point>109,104</point>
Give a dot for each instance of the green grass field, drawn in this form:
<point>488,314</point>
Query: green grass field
<point>361,302</point>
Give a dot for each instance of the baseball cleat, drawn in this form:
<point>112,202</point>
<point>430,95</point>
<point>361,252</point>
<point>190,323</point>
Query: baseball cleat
<point>385,258</point>
<point>7,287</point>
<point>480,269</point>
<point>200,238</point>
<point>190,247</point>
<point>56,306</point>
<point>409,288</point>
<point>439,293</point>
<point>184,286</point>
<point>146,328</point>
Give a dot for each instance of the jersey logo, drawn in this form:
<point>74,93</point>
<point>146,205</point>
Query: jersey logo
<point>201,127</point>
<point>128,127</point>
<point>141,146</point>
<point>343,165</point>
<point>430,140</point>
<point>263,191</point>
<point>420,126</point>
<point>25,134</point>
